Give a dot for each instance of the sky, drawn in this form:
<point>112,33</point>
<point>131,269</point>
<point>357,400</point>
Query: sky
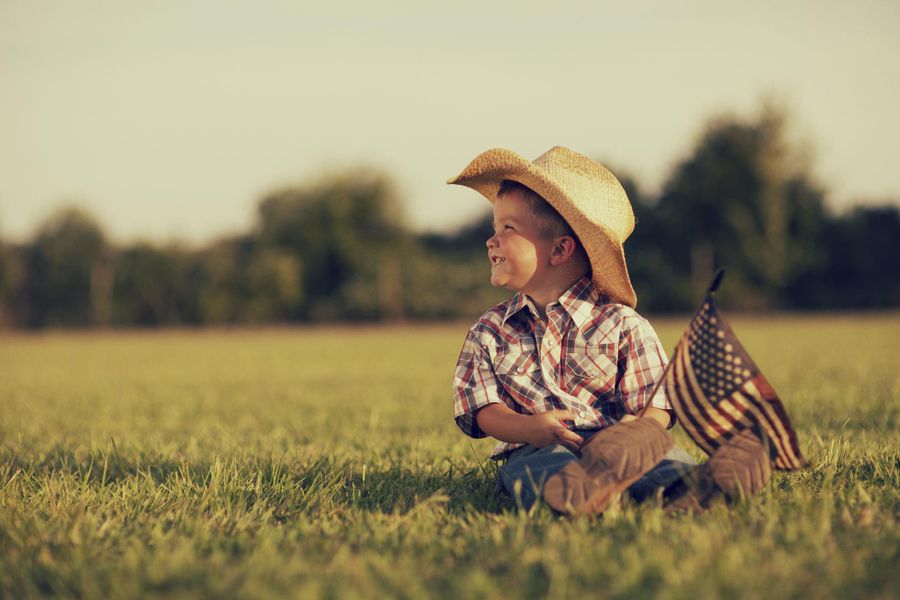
<point>169,120</point>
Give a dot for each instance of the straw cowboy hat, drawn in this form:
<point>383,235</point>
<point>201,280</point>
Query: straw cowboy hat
<point>584,192</point>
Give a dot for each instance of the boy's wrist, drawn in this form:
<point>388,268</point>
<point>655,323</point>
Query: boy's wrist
<point>529,430</point>
<point>521,428</point>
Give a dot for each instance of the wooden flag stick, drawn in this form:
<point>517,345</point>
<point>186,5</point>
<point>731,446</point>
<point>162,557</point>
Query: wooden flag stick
<point>659,383</point>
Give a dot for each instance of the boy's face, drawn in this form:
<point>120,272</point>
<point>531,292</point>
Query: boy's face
<point>519,254</point>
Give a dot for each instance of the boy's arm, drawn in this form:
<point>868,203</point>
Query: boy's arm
<point>642,363</point>
<point>479,409</point>
<point>539,430</point>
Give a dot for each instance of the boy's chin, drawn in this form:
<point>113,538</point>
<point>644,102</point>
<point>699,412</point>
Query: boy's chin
<point>502,283</point>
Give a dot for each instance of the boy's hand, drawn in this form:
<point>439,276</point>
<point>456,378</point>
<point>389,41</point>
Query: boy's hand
<point>546,429</point>
<point>540,430</point>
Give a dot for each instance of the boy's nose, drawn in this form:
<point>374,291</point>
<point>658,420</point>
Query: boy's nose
<point>491,242</point>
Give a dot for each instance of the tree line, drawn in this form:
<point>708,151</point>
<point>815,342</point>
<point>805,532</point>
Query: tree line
<point>337,249</point>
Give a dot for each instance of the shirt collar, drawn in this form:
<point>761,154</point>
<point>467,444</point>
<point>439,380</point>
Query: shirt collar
<point>519,301</point>
<point>578,301</point>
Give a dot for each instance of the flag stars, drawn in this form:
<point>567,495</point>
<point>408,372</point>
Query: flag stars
<point>716,368</point>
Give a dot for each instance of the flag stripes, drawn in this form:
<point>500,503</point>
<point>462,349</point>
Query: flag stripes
<point>787,455</point>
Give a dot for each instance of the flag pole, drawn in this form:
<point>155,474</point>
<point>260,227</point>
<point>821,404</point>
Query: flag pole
<point>710,291</point>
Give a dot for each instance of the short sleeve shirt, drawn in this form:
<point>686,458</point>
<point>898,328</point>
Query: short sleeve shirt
<point>599,359</point>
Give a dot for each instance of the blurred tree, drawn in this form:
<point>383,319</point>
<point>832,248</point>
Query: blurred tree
<point>154,286</point>
<point>238,281</point>
<point>68,272</point>
<point>216,282</point>
<point>348,233</point>
<point>862,269</point>
<point>16,277</point>
<point>6,285</point>
<point>648,253</point>
<point>745,199</point>
<point>271,285</point>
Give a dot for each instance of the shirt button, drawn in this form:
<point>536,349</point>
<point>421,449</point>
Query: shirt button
<point>520,370</point>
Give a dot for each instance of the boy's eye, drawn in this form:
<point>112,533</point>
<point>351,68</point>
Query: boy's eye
<point>507,227</point>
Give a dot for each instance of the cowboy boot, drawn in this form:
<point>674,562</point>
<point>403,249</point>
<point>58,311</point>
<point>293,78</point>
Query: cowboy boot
<point>610,462</point>
<point>741,466</point>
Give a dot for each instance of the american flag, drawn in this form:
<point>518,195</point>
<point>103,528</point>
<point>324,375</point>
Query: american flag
<point>717,390</point>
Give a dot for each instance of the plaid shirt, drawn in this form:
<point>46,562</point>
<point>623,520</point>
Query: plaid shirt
<point>599,359</point>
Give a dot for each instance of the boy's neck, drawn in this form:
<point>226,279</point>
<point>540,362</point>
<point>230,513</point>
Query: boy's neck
<point>546,295</point>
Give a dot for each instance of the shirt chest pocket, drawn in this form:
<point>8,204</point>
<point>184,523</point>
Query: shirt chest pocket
<point>519,372</point>
<point>591,366</point>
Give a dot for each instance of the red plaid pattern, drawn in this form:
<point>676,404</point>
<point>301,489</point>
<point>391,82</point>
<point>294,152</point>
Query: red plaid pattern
<point>599,359</point>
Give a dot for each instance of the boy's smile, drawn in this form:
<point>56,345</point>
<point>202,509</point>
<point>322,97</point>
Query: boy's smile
<point>518,252</point>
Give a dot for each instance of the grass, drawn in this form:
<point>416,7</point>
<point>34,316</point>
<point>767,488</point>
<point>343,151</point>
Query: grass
<point>323,462</point>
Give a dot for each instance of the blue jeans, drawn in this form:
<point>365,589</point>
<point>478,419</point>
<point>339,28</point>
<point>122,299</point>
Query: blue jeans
<point>527,469</point>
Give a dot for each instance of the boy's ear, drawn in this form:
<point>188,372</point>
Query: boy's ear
<point>563,249</point>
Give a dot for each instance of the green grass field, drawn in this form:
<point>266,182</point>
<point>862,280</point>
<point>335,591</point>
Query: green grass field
<point>324,462</point>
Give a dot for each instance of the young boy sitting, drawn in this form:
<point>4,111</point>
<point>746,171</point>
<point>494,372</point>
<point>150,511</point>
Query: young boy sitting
<point>563,372</point>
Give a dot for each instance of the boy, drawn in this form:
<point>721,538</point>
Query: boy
<point>564,373</point>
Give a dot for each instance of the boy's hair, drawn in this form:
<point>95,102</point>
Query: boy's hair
<point>551,223</point>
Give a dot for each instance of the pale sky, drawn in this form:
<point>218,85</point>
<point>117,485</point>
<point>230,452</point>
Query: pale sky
<point>171,119</point>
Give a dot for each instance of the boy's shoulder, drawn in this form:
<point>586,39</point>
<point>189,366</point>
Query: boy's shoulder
<point>490,323</point>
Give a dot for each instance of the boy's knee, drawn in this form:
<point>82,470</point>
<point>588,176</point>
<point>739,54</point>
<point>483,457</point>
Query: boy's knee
<point>524,475</point>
